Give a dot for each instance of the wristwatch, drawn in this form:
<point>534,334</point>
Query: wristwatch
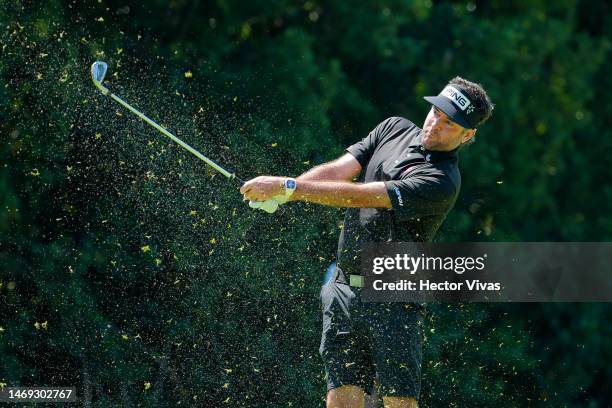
<point>290,185</point>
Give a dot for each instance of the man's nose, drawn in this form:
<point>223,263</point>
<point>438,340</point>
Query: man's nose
<point>435,124</point>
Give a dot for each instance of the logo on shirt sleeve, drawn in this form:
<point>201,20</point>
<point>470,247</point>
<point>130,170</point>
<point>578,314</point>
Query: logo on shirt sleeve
<point>399,196</point>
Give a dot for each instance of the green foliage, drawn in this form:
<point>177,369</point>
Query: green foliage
<point>132,271</point>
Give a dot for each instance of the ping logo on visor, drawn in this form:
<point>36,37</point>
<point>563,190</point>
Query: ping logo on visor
<point>457,98</point>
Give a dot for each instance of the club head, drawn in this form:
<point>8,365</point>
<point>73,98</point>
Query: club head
<point>98,71</point>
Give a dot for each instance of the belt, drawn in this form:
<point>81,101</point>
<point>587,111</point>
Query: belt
<point>356,281</point>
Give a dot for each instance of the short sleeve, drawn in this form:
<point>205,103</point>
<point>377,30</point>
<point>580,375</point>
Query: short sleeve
<point>364,149</point>
<point>422,196</point>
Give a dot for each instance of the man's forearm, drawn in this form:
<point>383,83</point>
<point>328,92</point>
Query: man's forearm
<point>343,168</point>
<point>342,194</point>
<point>322,172</point>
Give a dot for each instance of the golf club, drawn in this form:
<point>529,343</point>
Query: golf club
<point>98,71</point>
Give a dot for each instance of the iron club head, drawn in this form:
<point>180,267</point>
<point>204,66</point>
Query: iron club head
<point>98,71</point>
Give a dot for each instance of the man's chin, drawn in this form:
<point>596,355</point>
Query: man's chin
<point>429,144</point>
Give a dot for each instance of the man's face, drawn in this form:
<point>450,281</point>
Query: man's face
<point>442,134</point>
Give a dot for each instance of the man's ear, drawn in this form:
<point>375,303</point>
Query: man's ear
<point>468,135</point>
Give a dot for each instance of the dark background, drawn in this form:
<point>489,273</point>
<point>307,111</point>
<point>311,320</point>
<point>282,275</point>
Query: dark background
<point>132,271</point>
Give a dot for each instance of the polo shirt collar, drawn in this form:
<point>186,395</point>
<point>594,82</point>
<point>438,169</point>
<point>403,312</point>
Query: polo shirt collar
<point>432,155</point>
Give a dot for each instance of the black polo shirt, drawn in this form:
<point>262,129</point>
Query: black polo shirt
<point>423,186</point>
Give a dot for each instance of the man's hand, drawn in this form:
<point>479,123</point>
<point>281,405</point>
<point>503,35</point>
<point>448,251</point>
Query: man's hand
<point>263,188</point>
<point>265,193</point>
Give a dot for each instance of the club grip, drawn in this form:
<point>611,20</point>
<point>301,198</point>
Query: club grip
<point>238,180</point>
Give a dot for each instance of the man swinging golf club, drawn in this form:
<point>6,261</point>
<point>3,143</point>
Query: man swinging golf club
<point>408,181</point>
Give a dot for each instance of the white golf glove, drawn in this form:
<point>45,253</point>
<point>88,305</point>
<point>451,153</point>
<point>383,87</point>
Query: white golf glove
<point>270,205</point>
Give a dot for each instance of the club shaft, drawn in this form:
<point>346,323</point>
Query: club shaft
<point>184,145</point>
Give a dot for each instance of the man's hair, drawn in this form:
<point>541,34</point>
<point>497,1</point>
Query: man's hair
<point>477,94</point>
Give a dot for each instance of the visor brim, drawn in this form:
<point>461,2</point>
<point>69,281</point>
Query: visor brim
<point>449,109</point>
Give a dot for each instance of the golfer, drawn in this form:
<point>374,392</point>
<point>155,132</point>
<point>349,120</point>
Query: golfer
<point>407,182</point>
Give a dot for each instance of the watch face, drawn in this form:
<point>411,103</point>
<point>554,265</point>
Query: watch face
<point>290,184</point>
